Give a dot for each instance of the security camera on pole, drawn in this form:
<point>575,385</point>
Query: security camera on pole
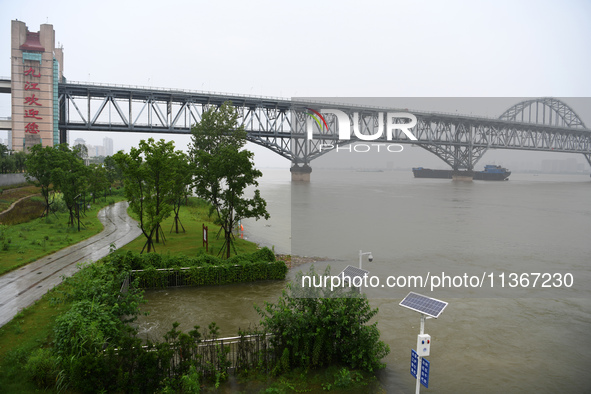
<point>370,257</point>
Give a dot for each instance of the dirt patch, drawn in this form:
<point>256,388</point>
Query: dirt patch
<point>296,261</point>
<point>24,210</point>
<point>9,196</point>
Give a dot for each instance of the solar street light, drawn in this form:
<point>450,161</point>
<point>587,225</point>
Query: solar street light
<point>428,308</point>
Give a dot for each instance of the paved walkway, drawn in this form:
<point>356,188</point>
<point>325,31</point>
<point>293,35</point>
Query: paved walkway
<point>22,287</point>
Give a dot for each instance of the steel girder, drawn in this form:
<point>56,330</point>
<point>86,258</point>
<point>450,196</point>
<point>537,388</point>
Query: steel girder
<point>283,125</point>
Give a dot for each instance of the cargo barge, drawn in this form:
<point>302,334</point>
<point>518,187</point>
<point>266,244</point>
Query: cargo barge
<point>490,173</point>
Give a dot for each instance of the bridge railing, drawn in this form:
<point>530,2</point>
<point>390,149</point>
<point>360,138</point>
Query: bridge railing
<point>309,102</point>
<point>172,90</point>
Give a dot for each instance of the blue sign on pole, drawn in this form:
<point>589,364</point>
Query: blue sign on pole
<point>414,360</point>
<point>425,373</point>
<point>425,367</point>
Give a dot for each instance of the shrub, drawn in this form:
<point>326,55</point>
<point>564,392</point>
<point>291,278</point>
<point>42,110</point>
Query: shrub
<point>84,329</point>
<point>42,366</point>
<point>324,329</point>
<point>98,312</point>
<point>264,254</point>
<point>190,381</point>
<point>58,204</point>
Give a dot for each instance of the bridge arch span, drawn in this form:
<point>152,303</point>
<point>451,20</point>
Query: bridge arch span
<point>547,111</point>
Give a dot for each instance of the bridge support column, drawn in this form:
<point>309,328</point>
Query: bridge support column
<point>300,174</point>
<point>463,176</point>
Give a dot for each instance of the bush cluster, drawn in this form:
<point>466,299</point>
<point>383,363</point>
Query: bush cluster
<point>136,261</point>
<point>157,271</point>
<point>96,320</point>
<point>319,329</point>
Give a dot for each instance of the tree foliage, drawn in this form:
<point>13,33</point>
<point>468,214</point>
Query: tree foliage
<point>62,168</point>
<point>223,169</point>
<point>112,170</point>
<point>97,180</point>
<point>148,177</point>
<point>81,151</point>
<point>40,165</point>
<point>69,176</point>
<point>181,185</point>
<point>11,162</point>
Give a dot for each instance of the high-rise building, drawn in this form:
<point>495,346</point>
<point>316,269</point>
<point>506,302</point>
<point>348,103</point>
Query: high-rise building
<point>36,70</point>
<point>108,144</point>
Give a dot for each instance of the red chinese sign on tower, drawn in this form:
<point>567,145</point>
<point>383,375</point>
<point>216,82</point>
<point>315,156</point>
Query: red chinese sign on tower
<point>32,127</point>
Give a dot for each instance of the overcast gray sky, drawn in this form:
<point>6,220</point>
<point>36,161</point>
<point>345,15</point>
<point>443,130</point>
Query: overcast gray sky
<point>319,48</point>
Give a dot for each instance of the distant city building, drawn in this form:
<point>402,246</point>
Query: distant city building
<point>108,146</point>
<point>97,150</point>
<point>79,141</point>
<point>558,166</point>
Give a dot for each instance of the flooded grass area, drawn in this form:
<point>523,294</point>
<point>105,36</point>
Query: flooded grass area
<point>230,306</point>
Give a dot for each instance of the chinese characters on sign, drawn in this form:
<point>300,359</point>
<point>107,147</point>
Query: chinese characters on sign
<point>31,100</point>
<point>31,71</point>
<point>32,128</point>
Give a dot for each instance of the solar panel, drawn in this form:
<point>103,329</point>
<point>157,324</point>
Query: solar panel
<point>353,272</point>
<point>425,305</point>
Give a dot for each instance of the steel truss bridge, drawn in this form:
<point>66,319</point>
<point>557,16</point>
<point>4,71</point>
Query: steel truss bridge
<point>281,125</point>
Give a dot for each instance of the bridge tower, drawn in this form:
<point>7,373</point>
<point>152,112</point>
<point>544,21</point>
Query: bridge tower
<point>36,69</point>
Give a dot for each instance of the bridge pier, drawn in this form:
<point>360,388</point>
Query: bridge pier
<point>300,174</point>
<point>463,176</point>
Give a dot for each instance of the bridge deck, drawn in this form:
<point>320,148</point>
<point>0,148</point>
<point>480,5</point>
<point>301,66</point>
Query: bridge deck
<point>5,85</point>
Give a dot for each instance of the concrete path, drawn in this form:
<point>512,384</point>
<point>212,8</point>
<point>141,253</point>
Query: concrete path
<point>22,287</point>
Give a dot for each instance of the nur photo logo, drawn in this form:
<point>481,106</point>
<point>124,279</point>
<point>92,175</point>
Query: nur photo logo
<point>348,126</point>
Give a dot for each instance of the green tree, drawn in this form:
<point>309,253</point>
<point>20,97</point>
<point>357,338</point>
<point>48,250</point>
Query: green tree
<point>223,169</point>
<point>69,176</point>
<point>82,151</point>
<point>148,181</point>
<point>20,159</point>
<point>97,180</point>
<point>7,161</point>
<point>113,171</point>
<point>39,167</point>
<point>180,187</point>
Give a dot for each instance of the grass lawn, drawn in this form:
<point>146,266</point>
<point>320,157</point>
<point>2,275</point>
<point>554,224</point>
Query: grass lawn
<point>29,329</point>
<point>23,243</point>
<point>190,243</point>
